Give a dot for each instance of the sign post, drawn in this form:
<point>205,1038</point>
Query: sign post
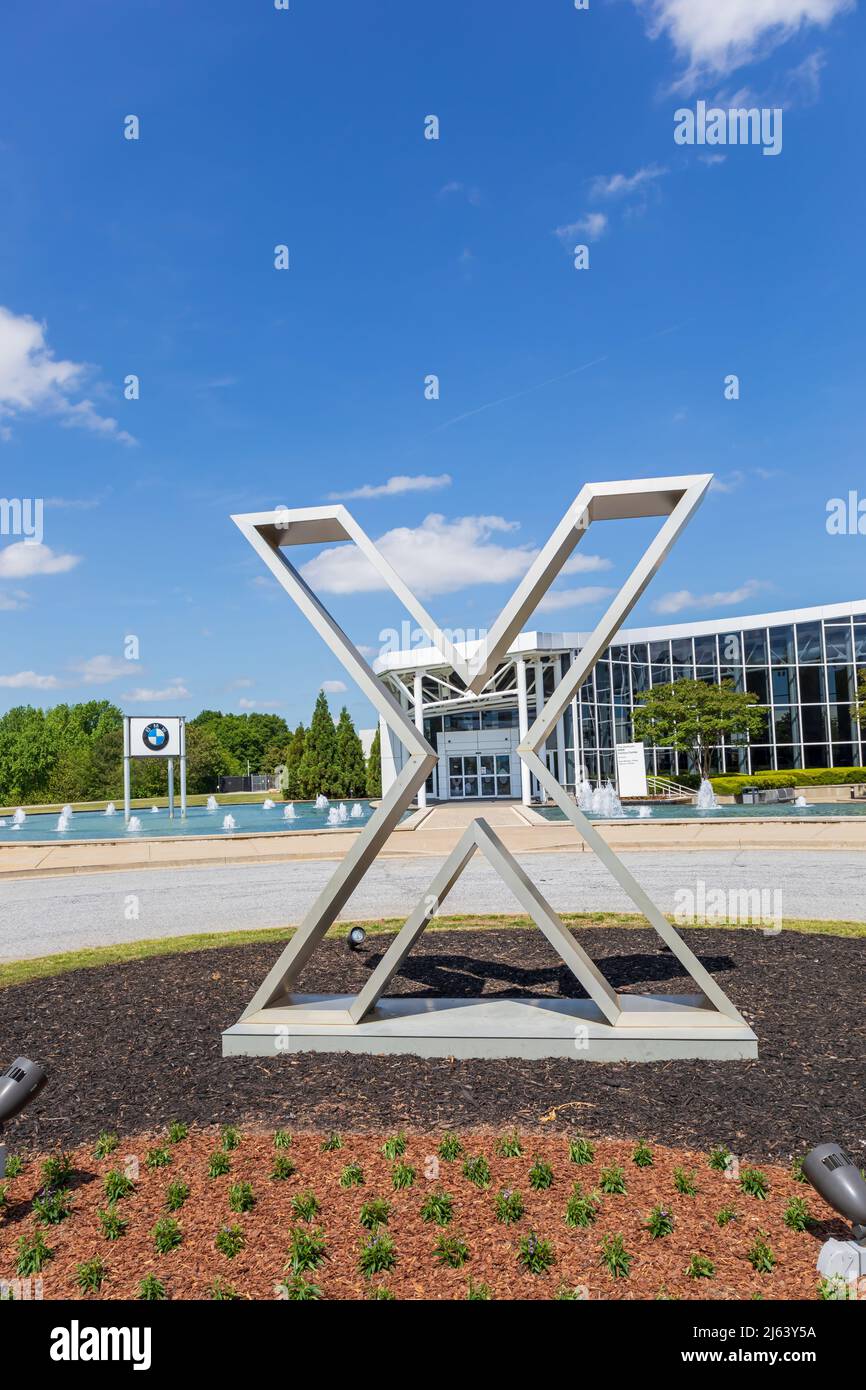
<point>630,769</point>
<point>155,738</point>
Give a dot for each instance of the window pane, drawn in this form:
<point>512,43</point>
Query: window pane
<point>503,763</point>
<point>681,651</point>
<point>788,756</point>
<point>639,652</point>
<point>755,647</point>
<point>840,683</point>
<point>661,675</point>
<point>639,678</point>
<point>809,641</point>
<point>660,651</point>
<point>762,759</point>
<point>811,684</point>
<point>488,786</point>
<point>486,761</point>
<point>705,651</point>
<point>503,786</point>
<point>455,786</point>
<point>619,653</point>
<point>620,681</point>
<point>784,682</point>
<point>817,755</point>
<point>840,723</point>
<point>734,674</point>
<point>756,682</point>
<point>602,679</point>
<point>470,786</point>
<point>499,718</point>
<point>860,642</point>
<point>844,755</point>
<point>814,724</point>
<point>838,640</point>
<point>730,648</point>
<point>782,645</point>
<point>787,724</point>
<point>455,767</point>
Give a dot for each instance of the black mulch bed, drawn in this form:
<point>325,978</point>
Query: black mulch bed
<point>132,1046</point>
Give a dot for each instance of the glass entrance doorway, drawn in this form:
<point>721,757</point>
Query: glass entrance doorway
<point>479,774</point>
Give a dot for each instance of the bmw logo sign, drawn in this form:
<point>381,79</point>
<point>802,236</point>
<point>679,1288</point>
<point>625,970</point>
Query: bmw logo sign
<point>155,737</point>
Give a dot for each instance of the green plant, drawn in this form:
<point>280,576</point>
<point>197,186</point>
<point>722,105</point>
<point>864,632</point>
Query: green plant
<point>305,1206</point>
<point>229,1241</point>
<point>241,1197</point>
<point>797,1216</point>
<point>612,1180</point>
<point>754,1183</point>
<point>450,1147</point>
<point>89,1274</point>
<point>299,1290</point>
<point>375,1213</point>
<point>508,1207</point>
<point>395,1147</point>
<point>509,1146</point>
<point>660,1222</point>
<point>33,1255</point>
<point>57,1169</point>
<point>117,1185</point>
<point>112,1223</point>
<point>331,1143</point>
<point>437,1207</point>
<point>15,1166</point>
<point>451,1251</point>
<point>402,1175</point>
<point>175,1195</point>
<point>643,1155</point>
<point>581,1152</point>
<point>157,1158</point>
<point>378,1255</point>
<point>177,1131</point>
<point>307,1249</point>
<point>283,1168</point>
<point>685,1183</point>
<point>796,1168</point>
<point>540,1175</point>
<point>535,1255</point>
<point>725,1215</point>
<point>719,1159</point>
<point>380,1293</point>
<point>219,1164</point>
<point>152,1290</point>
<point>352,1176</point>
<point>105,1145</point>
<point>4,1200</point>
<point>760,1255</point>
<point>478,1293</point>
<point>695,716</point>
<point>52,1205</point>
<point>166,1235</point>
<point>477,1170</point>
<point>566,1295</point>
<point>615,1257</point>
<point>581,1208</point>
<point>700,1267</point>
<point>836,1287</point>
<point>223,1293</point>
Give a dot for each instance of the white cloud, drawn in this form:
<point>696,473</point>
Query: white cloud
<point>176,690</point>
<point>421,482</point>
<point>259,704</point>
<point>594,225</point>
<point>13,598</point>
<point>29,680</point>
<point>97,669</point>
<point>684,598</point>
<point>585,564</point>
<point>622,185</point>
<point>473,195</point>
<point>729,483</point>
<point>573,598</point>
<point>333,687</point>
<point>33,380</point>
<point>24,558</point>
<point>717,36</point>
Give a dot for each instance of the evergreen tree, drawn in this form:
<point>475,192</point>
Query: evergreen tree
<point>374,766</point>
<point>292,784</point>
<point>317,768</point>
<point>350,768</point>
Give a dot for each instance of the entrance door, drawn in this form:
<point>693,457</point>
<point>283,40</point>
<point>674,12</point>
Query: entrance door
<point>479,774</point>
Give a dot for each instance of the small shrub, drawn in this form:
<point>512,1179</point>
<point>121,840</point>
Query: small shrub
<point>57,1169</point>
<point>725,1215</point>
<point>437,1207</point>
<point>509,1146</point>
<point>508,1206</point>
<point>241,1197</point>
<point>685,1183</point>
<point>352,1176</point>
<point>282,1139</point>
<point>175,1195</point>
<point>535,1255</point>
<point>719,1159</point>
<point>451,1251</point>
<point>660,1222</point>
<point>152,1290</point>
<point>754,1183</point>
<point>112,1223</point>
<point>307,1249</point>
<point>105,1145</point>
<point>796,1169</point>
<point>477,1170</point>
<point>761,1256</point>
<point>166,1235</point>
<point>478,1293</point>
<point>15,1166</point>
<point>305,1206</point>
<point>90,1274</point>
<point>581,1152</point>
<point>700,1267</point>
<point>375,1213</point>
<point>797,1215</point>
<point>402,1175</point>
<point>222,1293</point>
<point>331,1143</point>
<point>283,1168</point>
<point>836,1287</point>
<point>643,1155</point>
<point>4,1200</point>
<point>230,1241</point>
<point>581,1208</point>
<point>157,1158</point>
<point>299,1290</point>
<point>33,1255</point>
<point>380,1293</point>
<point>117,1185</point>
<point>612,1180</point>
<point>52,1205</point>
<point>230,1137</point>
<point>450,1148</point>
<point>566,1295</point>
<point>615,1257</point>
<point>177,1132</point>
<point>540,1175</point>
<point>395,1147</point>
<point>219,1164</point>
<point>378,1255</point>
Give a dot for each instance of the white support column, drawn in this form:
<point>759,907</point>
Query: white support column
<point>183,769</point>
<point>418,694</point>
<point>127,806</point>
<point>171,788</point>
<point>387,757</point>
<point>560,729</point>
<point>539,709</point>
<point>523,729</point>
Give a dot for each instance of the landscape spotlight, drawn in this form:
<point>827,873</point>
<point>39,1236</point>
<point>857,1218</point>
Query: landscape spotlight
<point>834,1174</point>
<point>18,1086</point>
<point>357,936</point>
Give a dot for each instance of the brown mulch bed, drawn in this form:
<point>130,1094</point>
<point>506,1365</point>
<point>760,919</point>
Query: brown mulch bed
<point>130,1047</point>
<point>188,1271</point>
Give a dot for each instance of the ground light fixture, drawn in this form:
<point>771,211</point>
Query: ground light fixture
<point>836,1177</point>
<point>357,936</point>
<point>23,1080</point>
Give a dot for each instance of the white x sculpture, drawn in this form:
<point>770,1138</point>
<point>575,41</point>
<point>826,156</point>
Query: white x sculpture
<point>606,1026</point>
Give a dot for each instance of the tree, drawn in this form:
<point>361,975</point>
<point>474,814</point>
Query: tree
<point>374,766</point>
<point>206,760</point>
<point>350,767</point>
<point>694,717</point>
<point>292,785</point>
<point>317,768</point>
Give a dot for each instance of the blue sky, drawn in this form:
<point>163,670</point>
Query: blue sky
<point>411,257</point>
